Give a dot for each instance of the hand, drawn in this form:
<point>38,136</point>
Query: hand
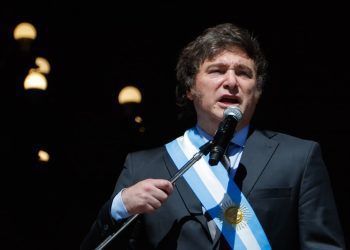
<point>146,196</point>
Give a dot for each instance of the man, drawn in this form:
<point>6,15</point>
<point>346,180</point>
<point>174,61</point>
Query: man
<point>273,192</point>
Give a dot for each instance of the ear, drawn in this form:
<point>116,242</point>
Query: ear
<point>189,95</point>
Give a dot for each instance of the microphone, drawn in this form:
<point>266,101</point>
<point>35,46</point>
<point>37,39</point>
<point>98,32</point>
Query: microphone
<point>222,137</point>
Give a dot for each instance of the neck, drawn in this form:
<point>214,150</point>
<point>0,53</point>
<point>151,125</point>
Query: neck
<point>212,128</point>
<point>208,128</point>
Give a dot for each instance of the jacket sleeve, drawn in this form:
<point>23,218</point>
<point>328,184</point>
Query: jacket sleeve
<point>104,225</point>
<point>319,225</point>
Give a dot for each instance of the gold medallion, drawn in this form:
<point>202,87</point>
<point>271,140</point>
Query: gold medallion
<point>233,215</point>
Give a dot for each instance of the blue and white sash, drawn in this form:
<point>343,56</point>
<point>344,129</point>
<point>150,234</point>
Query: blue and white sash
<point>219,195</point>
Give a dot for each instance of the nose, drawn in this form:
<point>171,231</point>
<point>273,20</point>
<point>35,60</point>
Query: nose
<point>230,79</point>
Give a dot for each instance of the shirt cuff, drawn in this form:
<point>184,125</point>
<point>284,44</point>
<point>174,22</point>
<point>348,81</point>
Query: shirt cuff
<point>118,210</point>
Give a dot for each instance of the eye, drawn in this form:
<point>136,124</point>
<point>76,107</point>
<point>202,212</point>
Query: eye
<point>244,72</point>
<point>217,71</point>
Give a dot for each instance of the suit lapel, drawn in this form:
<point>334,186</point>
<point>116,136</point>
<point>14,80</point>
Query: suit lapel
<point>257,153</point>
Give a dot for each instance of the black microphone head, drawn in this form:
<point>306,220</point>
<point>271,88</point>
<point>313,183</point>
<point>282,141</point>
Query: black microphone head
<point>233,111</point>
<point>224,133</point>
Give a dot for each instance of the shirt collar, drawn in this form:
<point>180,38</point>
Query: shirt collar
<point>239,137</point>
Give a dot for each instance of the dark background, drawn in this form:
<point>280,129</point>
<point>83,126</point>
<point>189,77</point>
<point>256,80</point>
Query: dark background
<point>96,49</point>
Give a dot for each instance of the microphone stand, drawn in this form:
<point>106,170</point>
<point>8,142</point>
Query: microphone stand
<point>203,150</point>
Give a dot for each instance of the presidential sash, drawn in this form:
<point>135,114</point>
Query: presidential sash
<point>219,195</point>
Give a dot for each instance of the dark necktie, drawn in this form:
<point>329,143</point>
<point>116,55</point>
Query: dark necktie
<point>232,149</point>
<point>211,224</point>
<point>226,162</point>
<point>223,244</point>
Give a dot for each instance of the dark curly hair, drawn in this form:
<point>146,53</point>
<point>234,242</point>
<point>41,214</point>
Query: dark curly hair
<point>210,43</point>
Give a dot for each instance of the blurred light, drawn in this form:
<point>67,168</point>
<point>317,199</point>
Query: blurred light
<point>43,65</point>
<point>24,31</point>
<point>142,129</point>
<point>35,80</point>
<point>43,156</point>
<point>129,94</point>
<point>138,119</point>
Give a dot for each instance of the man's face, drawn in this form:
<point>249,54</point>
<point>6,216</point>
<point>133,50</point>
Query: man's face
<point>227,80</point>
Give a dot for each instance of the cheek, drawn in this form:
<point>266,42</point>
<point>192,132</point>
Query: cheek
<point>253,91</point>
<point>252,96</point>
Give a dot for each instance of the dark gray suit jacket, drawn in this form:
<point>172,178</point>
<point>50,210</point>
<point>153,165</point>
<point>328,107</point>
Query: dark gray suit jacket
<point>283,178</point>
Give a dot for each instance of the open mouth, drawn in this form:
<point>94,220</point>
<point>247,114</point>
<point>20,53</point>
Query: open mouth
<point>229,100</point>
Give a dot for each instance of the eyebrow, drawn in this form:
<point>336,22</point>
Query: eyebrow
<point>236,66</point>
<point>244,67</point>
